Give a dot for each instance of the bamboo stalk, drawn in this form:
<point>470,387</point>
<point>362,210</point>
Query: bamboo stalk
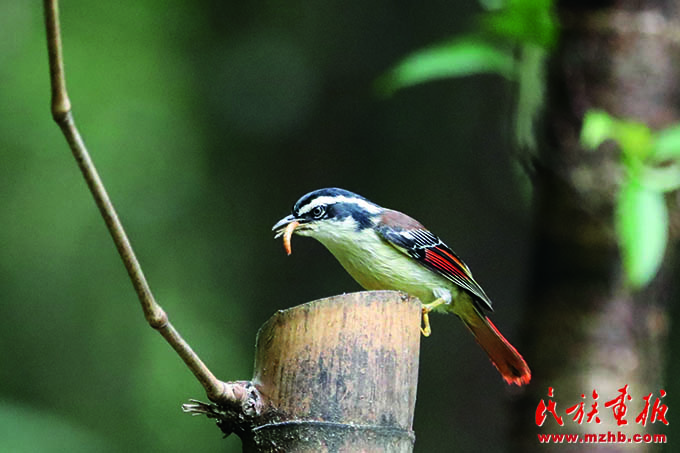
<point>332,375</point>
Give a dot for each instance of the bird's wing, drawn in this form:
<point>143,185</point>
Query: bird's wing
<point>430,251</point>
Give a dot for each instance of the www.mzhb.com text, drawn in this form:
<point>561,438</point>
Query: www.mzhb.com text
<point>602,438</point>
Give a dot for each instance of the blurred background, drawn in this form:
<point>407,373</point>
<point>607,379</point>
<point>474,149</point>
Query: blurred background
<point>207,121</point>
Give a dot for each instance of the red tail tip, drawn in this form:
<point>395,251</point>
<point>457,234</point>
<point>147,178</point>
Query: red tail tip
<point>518,379</point>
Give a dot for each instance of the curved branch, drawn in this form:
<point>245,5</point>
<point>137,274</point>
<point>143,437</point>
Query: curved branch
<point>155,315</point>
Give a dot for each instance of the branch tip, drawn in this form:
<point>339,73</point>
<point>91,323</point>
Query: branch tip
<point>243,395</point>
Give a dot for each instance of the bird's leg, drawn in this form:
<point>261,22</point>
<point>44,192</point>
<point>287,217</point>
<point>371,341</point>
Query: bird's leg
<point>443,297</point>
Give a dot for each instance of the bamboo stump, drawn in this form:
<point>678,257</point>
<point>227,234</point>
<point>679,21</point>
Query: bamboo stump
<point>333,375</point>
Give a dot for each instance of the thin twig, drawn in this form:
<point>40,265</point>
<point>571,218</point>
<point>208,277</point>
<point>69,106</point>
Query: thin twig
<point>61,111</point>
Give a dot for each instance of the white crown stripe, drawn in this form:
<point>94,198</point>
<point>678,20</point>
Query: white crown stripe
<point>368,206</point>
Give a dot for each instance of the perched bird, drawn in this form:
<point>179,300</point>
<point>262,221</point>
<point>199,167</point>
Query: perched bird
<point>386,249</point>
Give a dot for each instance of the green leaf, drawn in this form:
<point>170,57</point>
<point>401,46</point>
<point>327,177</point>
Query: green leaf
<point>524,21</point>
<point>642,225</point>
<point>597,127</point>
<point>636,139</point>
<point>530,96</point>
<point>664,178</point>
<point>667,145</point>
<point>458,58</point>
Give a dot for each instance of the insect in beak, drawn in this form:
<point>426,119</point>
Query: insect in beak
<point>285,227</point>
<point>288,234</point>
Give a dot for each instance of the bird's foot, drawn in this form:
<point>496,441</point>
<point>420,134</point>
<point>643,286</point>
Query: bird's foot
<point>427,308</point>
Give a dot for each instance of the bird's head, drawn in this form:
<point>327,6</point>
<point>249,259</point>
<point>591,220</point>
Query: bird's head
<point>329,215</point>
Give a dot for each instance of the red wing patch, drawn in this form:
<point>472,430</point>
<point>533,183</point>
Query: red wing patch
<point>426,248</point>
<point>449,265</point>
<point>445,262</point>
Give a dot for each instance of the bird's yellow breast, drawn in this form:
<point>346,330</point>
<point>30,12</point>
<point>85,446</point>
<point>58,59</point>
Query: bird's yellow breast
<point>376,264</point>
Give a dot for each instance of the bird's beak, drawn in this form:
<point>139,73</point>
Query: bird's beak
<point>285,227</point>
<point>281,224</point>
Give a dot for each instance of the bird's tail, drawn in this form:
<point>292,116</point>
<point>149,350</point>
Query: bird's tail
<point>503,355</point>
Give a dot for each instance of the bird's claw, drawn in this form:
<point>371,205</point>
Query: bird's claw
<point>426,330</point>
<point>427,308</point>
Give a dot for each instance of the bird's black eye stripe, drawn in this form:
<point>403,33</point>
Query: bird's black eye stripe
<point>318,212</point>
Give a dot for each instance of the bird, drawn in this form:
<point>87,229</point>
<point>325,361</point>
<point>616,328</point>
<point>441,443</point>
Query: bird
<point>385,249</point>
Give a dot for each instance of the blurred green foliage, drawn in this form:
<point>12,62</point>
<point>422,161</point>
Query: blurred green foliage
<point>512,39</point>
<point>523,22</point>
<point>652,167</point>
<point>460,57</point>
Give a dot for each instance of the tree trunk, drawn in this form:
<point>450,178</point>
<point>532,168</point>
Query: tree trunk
<point>587,329</point>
